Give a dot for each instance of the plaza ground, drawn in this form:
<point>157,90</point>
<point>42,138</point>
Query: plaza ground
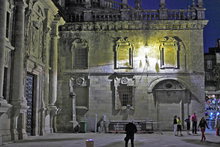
<point>156,139</point>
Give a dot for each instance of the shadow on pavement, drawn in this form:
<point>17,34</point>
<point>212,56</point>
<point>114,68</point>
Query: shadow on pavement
<point>122,144</point>
<point>205,143</point>
<point>48,140</point>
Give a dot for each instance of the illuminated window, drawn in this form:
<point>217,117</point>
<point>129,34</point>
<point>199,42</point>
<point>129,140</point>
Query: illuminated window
<point>169,53</point>
<point>123,54</point>
<point>79,51</point>
<point>125,95</point>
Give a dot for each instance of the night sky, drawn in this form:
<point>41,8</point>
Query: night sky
<point>212,30</point>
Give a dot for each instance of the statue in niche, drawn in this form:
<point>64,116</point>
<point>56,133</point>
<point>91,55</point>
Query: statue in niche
<point>73,96</point>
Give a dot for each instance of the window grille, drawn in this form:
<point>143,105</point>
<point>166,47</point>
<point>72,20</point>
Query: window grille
<point>125,95</point>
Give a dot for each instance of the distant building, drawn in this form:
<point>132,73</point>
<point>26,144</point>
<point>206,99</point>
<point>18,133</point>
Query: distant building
<point>212,83</point>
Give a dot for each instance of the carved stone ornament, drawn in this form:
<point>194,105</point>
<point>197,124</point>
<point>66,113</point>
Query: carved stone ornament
<point>79,81</point>
<point>124,80</point>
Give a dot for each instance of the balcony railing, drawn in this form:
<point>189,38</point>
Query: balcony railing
<point>110,10</point>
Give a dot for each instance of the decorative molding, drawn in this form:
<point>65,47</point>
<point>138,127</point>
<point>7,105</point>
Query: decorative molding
<point>135,25</point>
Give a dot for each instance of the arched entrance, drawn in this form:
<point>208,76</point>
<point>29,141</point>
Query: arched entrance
<point>171,98</point>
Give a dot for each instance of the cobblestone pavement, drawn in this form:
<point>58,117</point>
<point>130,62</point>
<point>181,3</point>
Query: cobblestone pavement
<point>158,139</point>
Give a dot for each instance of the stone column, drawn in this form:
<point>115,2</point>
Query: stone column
<point>182,109</point>
<point>46,58</point>
<point>18,120</point>
<point>2,44</point>
<point>4,106</point>
<point>53,72</point>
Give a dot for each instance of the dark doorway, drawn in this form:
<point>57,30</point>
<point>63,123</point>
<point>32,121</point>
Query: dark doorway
<point>29,93</point>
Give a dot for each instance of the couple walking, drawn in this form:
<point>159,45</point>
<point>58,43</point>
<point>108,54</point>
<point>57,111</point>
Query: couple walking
<point>202,125</point>
<point>177,125</point>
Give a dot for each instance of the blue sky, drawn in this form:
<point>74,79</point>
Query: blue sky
<point>211,31</point>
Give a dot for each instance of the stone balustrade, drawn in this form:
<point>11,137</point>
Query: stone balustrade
<point>143,15</point>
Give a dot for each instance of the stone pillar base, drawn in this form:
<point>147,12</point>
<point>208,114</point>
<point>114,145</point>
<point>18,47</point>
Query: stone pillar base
<point>22,134</point>
<point>53,112</point>
<point>14,134</point>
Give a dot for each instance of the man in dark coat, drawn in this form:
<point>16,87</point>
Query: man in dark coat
<point>130,129</point>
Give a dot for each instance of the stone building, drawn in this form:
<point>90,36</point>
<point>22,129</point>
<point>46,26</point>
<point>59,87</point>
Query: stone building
<point>125,63</point>
<point>109,62</point>
<point>212,84</point>
<point>28,67</point>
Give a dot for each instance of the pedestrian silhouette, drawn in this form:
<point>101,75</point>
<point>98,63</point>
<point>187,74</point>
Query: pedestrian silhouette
<point>203,125</point>
<point>130,129</point>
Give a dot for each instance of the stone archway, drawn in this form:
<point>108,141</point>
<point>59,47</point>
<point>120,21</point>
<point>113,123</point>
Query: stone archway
<point>171,98</point>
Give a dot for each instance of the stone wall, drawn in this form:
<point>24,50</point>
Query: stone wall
<point>106,67</point>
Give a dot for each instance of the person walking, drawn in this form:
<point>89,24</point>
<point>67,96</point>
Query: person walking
<point>175,125</point>
<point>203,125</point>
<point>130,129</point>
<point>179,127</point>
<point>194,123</point>
<point>217,124</point>
<point>188,125</point>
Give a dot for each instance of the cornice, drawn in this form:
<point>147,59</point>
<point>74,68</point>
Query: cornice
<point>136,25</point>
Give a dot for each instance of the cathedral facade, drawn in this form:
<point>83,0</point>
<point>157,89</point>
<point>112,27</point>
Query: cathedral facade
<point>107,61</point>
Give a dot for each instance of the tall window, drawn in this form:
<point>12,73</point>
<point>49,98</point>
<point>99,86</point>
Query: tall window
<point>125,95</point>
<point>123,54</point>
<point>79,51</point>
<point>81,58</point>
<point>169,53</point>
